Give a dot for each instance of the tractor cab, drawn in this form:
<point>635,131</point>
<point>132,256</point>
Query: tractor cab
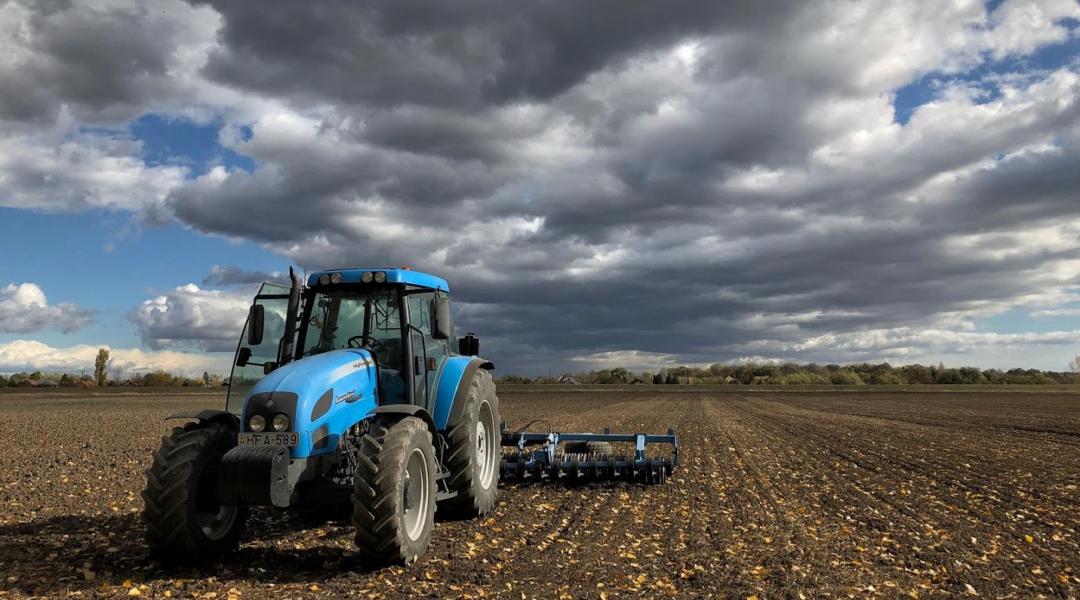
<point>402,317</point>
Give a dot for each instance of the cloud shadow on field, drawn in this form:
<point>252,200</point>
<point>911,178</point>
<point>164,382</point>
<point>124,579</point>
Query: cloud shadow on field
<point>69,553</point>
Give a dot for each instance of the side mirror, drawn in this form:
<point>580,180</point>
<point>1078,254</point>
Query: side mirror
<point>243,355</point>
<point>469,345</point>
<point>256,319</point>
<point>443,328</point>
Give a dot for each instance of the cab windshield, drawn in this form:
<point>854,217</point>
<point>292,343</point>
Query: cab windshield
<point>361,318</point>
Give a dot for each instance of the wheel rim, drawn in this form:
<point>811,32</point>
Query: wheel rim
<point>415,493</point>
<point>216,525</point>
<point>215,520</point>
<point>486,452</point>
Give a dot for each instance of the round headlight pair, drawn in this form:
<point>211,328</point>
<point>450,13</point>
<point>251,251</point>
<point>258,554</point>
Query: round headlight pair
<point>376,276</point>
<point>328,278</point>
<point>257,423</point>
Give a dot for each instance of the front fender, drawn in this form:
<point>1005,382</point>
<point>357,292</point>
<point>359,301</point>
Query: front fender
<point>208,416</point>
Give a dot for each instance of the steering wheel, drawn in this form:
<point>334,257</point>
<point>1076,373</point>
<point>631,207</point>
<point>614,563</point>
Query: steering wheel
<point>362,342</point>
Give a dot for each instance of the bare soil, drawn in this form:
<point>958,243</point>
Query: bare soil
<point>780,495</point>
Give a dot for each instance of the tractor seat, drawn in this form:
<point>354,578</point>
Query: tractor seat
<point>393,388</point>
<point>388,353</point>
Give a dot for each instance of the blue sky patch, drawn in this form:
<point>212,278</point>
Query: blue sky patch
<point>927,87</point>
<point>67,255</point>
<point>165,140</point>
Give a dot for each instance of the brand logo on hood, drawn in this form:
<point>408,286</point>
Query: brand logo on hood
<point>350,396</point>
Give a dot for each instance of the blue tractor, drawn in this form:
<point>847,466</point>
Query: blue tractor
<point>347,391</point>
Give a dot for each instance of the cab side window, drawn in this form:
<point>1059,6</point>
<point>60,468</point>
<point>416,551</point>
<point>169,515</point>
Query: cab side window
<point>422,316</point>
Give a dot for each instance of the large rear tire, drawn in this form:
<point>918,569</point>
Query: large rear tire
<point>394,492</point>
<point>184,522</point>
<point>474,451</point>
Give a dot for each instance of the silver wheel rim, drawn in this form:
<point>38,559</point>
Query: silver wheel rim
<point>215,525</point>
<point>415,494</point>
<point>486,452</point>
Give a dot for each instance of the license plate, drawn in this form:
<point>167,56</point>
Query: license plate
<point>288,438</point>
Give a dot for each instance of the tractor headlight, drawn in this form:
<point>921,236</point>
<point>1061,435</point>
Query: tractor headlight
<point>380,277</point>
<point>335,278</point>
<point>280,422</point>
<point>324,279</point>
<point>367,277</point>
<point>257,423</point>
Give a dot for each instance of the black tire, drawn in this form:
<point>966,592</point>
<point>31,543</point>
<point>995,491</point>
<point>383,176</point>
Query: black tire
<point>587,448</point>
<point>474,473</point>
<point>384,493</point>
<point>184,522</point>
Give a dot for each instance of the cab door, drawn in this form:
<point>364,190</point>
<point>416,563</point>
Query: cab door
<point>275,302</point>
<point>428,354</point>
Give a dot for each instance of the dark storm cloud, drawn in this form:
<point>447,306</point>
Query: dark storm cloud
<point>229,275</point>
<point>466,54</point>
<point>105,64</point>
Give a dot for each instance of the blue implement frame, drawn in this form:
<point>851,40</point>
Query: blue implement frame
<point>526,463</point>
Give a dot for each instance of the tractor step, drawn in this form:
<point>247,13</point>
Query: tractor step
<point>442,488</point>
<point>522,462</point>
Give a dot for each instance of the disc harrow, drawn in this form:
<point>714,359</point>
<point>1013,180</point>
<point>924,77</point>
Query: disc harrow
<point>532,456</point>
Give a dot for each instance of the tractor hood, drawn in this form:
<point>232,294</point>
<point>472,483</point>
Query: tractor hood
<point>323,395</point>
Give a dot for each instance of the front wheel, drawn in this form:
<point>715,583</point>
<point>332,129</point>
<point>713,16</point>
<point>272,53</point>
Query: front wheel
<point>394,492</point>
<point>184,521</point>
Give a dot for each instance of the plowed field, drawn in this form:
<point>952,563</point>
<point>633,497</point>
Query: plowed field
<point>779,495</point>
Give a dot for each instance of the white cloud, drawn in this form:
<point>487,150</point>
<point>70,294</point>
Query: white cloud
<point>1047,350</point>
<point>194,318</point>
<point>30,355</point>
<point>635,360</point>
<point>1057,312</point>
<point>24,309</point>
<point>79,173</point>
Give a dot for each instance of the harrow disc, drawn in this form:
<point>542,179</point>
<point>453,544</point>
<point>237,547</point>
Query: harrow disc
<point>576,468</point>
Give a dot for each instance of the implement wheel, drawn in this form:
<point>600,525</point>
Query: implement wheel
<point>184,521</point>
<point>394,492</point>
<point>474,451</point>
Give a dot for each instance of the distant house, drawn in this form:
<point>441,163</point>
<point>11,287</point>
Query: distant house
<point>731,380</point>
<point>568,379</point>
<point>637,381</point>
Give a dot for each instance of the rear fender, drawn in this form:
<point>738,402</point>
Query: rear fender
<point>454,383</point>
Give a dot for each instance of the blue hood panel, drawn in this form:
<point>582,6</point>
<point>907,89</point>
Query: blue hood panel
<point>347,375</point>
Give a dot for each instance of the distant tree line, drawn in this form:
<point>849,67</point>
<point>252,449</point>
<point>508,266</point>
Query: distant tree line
<point>100,378</point>
<point>813,374</point>
<point>151,379</point>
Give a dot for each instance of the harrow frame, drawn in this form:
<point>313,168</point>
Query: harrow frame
<point>535,464</point>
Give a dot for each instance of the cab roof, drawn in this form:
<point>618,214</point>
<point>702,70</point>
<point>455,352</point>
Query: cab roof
<point>393,275</point>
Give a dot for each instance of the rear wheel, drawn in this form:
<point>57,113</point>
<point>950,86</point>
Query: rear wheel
<point>394,492</point>
<point>473,454</point>
<point>185,523</point>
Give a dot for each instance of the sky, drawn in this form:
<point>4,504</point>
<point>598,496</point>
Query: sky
<point>602,183</point>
